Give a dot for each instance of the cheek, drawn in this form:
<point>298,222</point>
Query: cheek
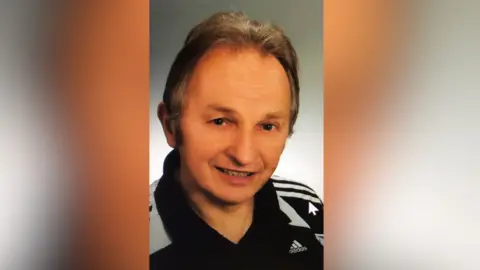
<point>200,142</point>
<point>199,134</point>
<point>271,160</point>
<point>196,132</point>
<point>271,150</point>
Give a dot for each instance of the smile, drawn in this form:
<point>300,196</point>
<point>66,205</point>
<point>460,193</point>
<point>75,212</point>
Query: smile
<point>235,173</point>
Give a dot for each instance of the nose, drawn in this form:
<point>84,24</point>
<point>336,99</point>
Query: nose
<point>242,150</point>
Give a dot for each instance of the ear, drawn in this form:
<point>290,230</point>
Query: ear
<point>167,129</point>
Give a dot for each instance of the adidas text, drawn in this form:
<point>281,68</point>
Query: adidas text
<point>296,250</point>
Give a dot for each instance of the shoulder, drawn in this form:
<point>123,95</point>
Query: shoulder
<point>158,236</point>
<point>303,200</point>
<point>288,188</point>
<point>153,186</point>
<point>151,197</point>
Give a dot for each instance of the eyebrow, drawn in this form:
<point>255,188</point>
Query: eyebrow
<point>223,109</point>
<point>275,115</point>
<point>227,110</point>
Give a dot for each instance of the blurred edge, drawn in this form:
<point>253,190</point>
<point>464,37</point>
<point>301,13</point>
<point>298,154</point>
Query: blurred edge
<point>74,78</point>
<point>34,194</point>
<point>401,134</point>
<point>104,67</point>
<point>361,39</point>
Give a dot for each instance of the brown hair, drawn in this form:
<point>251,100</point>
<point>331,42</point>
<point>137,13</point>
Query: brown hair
<point>232,29</point>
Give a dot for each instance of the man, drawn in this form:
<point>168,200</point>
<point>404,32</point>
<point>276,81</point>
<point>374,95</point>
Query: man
<point>229,106</point>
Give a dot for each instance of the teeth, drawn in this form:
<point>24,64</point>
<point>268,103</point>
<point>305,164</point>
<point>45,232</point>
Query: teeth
<point>237,173</point>
<point>232,173</point>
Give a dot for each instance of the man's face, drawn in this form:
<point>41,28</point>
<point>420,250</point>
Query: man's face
<point>235,123</point>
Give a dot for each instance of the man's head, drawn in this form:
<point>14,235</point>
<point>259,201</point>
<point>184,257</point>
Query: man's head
<point>230,103</point>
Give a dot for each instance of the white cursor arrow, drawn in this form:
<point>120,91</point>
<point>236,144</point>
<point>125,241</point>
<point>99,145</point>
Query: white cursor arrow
<point>312,209</point>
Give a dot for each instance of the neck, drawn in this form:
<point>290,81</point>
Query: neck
<point>230,220</point>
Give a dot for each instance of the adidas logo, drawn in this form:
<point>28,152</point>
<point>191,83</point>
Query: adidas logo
<point>297,247</point>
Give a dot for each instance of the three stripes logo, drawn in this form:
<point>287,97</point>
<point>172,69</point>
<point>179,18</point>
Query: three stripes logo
<point>292,189</point>
<point>297,247</point>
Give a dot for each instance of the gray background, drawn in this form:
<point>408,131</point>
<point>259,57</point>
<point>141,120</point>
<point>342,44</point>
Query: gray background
<point>171,20</point>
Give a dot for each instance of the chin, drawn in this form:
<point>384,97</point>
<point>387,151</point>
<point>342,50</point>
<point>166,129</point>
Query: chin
<point>233,196</point>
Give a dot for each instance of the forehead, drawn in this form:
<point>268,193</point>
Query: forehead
<point>239,76</point>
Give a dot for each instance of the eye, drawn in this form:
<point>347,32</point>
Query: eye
<point>219,121</point>
<point>268,127</point>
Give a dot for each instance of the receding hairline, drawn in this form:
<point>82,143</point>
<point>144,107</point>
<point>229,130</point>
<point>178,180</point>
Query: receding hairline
<point>229,47</point>
<point>230,50</point>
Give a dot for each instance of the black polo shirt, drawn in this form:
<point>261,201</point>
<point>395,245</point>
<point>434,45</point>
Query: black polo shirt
<point>271,242</point>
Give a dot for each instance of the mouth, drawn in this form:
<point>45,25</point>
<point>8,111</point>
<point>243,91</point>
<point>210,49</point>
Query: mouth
<point>235,172</point>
